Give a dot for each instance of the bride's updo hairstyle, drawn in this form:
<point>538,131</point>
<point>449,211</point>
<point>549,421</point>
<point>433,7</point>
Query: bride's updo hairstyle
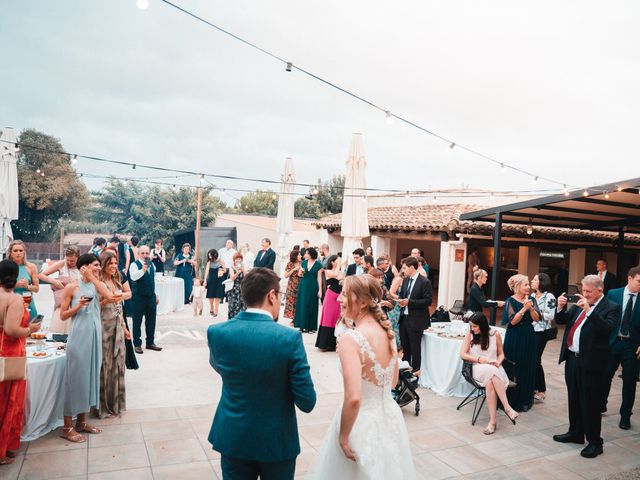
<point>364,294</point>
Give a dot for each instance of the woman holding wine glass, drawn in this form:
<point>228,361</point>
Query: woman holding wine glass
<point>27,283</point>
<point>185,264</point>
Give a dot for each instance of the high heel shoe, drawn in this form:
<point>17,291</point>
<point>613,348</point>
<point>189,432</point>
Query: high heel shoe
<point>512,414</point>
<point>490,429</point>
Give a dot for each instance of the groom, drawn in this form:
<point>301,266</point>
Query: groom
<point>265,375</point>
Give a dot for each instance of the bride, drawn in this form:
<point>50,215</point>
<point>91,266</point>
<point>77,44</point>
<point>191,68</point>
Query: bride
<point>367,438</point>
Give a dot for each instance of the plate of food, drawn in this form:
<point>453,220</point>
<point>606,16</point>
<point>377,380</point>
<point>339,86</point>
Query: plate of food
<point>38,335</point>
<point>38,354</point>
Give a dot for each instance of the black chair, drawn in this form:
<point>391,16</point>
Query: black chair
<point>479,394</point>
<point>458,309</point>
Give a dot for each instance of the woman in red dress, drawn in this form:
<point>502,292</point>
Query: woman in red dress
<point>14,328</point>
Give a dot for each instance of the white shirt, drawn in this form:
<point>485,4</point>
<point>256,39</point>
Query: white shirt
<point>575,346</point>
<point>248,259</point>
<point>197,291</point>
<point>625,299</point>
<point>413,278</point>
<point>260,311</point>
<point>226,255</point>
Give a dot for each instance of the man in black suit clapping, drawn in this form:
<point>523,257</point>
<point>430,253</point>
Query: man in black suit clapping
<point>585,350</point>
<point>415,299</point>
<point>266,257</point>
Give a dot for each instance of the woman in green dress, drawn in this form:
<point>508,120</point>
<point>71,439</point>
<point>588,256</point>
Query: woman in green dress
<point>520,341</point>
<point>185,263</point>
<point>27,277</point>
<point>306,317</point>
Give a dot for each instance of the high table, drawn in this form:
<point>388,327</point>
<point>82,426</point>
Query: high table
<point>441,365</point>
<point>170,291</point>
<point>44,399</point>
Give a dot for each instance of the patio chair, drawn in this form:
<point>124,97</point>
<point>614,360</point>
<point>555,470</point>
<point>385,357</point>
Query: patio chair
<point>458,309</point>
<point>479,394</point>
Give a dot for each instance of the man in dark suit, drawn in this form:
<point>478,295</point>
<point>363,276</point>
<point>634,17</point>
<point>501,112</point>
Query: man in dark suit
<point>265,375</point>
<point>609,280</point>
<point>144,300</point>
<point>266,257</point>
<point>625,345</point>
<point>356,267</point>
<point>585,350</point>
<point>415,299</point>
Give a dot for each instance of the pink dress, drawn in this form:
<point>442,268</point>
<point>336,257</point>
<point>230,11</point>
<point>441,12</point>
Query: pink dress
<point>482,372</point>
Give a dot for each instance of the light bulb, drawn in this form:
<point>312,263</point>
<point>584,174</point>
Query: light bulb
<point>529,230</point>
<point>434,199</point>
<point>451,146</point>
<point>585,193</point>
<point>406,195</point>
<point>618,188</point>
<point>388,117</point>
<point>42,174</point>
<point>315,191</point>
<point>274,196</point>
<point>74,159</point>
<point>38,171</point>
<point>142,4</point>
<point>534,180</point>
<point>503,169</point>
<point>364,199</point>
<point>606,195</point>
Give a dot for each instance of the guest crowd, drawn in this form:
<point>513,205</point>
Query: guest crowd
<point>96,292</point>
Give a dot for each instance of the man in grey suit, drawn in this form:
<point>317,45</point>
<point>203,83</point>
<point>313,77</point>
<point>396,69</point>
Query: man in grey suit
<point>265,375</point>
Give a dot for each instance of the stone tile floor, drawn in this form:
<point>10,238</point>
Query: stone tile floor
<point>172,398</point>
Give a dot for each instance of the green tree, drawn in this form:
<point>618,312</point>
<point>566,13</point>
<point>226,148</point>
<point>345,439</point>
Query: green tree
<point>152,212</point>
<point>330,194</point>
<point>259,202</point>
<point>306,208</point>
<point>45,199</point>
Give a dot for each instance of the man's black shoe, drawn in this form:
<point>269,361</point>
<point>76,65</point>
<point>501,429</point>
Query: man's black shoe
<point>568,438</point>
<point>155,347</point>
<point>591,451</point>
<point>625,422</point>
<point>139,350</point>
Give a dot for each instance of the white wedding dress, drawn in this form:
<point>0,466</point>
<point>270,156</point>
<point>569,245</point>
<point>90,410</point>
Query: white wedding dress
<point>379,436</point>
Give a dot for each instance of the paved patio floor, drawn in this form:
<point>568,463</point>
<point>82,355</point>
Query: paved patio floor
<point>172,397</point>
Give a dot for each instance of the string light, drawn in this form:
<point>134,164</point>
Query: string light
<point>388,117</point>
<point>534,180</point>
<point>585,193</point>
<point>316,191</point>
<point>451,146</point>
<point>142,4</point>
<point>74,159</point>
<point>38,170</point>
<point>133,166</point>
<point>618,188</point>
<point>289,66</point>
<point>503,169</point>
<point>201,179</point>
<point>530,227</point>
<point>565,190</point>
<point>606,195</point>
<point>274,196</point>
<point>345,91</point>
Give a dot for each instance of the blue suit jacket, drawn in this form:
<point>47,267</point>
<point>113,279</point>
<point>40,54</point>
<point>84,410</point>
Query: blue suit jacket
<point>634,329</point>
<point>264,372</point>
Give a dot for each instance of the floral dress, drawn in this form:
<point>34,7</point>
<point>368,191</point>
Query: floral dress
<point>236,304</point>
<point>292,292</point>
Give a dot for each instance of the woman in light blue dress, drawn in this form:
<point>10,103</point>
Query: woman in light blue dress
<point>81,386</point>
<point>27,275</point>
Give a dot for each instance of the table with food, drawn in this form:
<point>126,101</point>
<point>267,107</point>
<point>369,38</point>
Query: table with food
<point>45,374</point>
<point>441,368</point>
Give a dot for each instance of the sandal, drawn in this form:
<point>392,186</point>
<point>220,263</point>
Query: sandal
<point>11,454</point>
<point>72,435</point>
<point>6,461</point>
<point>540,396</point>
<point>86,428</point>
<point>512,414</point>
<point>490,429</point>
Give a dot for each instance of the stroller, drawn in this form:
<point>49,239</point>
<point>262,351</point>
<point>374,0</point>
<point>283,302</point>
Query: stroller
<point>405,391</point>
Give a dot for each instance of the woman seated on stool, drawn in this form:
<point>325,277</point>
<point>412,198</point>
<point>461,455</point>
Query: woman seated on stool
<point>483,348</point>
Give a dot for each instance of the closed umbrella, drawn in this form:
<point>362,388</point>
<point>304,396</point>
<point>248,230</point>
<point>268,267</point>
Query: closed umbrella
<point>8,187</point>
<point>285,212</point>
<point>355,219</point>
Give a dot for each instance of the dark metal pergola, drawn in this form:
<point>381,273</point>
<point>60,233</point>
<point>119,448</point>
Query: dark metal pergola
<point>613,207</point>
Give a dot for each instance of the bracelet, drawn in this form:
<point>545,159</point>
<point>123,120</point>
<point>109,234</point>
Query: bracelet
<point>478,359</point>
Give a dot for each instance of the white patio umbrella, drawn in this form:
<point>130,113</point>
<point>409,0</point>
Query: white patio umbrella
<point>355,219</point>
<point>284,227</point>
<point>8,187</point>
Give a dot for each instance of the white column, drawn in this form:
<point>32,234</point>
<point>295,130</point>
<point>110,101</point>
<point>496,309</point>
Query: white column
<point>451,283</point>
<point>380,245</point>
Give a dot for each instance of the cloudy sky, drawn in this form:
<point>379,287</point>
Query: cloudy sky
<point>552,87</point>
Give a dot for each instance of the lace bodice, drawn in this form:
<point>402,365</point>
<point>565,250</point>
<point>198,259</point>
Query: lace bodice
<point>372,371</point>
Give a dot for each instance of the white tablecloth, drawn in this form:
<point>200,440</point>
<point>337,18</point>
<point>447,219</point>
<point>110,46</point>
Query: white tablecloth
<point>441,365</point>
<point>170,291</point>
<point>43,404</point>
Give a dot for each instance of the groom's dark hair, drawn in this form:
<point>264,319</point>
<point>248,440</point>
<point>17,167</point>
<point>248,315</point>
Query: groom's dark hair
<point>257,284</point>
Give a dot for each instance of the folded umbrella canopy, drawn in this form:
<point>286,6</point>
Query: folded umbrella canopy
<point>285,212</point>
<point>8,187</point>
<point>355,219</point>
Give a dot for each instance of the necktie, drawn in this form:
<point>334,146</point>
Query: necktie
<point>409,287</point>
<point>600,274</point>
<point>626,316</point>
<point>575,326</point>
